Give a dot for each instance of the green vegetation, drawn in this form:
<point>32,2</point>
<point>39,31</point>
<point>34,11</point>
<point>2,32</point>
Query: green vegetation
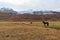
<point>38,24</point>
<point>53,24</point>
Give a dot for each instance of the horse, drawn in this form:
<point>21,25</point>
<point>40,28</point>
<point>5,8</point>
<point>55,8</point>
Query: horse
<point>30,22</point>
<point>46,23</point>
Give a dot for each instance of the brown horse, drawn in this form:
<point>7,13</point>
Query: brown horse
<point>46,23</point>
<point>30,22</point>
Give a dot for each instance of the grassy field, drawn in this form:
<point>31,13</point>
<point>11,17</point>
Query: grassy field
<point>27,31</point>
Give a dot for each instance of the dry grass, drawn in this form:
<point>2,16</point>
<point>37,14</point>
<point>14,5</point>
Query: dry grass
<point>27,31</point>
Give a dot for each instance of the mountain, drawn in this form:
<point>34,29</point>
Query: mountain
<point>7,10</point>
<point>44,12</point>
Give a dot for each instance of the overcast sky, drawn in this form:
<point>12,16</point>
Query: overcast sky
<point>21,5</point>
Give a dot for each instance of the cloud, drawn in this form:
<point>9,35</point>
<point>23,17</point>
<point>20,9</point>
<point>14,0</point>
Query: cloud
<point>15,2</point>
<point>32,4</point>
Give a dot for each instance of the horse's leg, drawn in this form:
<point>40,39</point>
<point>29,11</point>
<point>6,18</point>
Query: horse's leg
<point>44,24</point>
<point>47,24</point>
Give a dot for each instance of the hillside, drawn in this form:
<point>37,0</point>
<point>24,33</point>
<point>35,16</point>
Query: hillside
<point>11,15</point>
